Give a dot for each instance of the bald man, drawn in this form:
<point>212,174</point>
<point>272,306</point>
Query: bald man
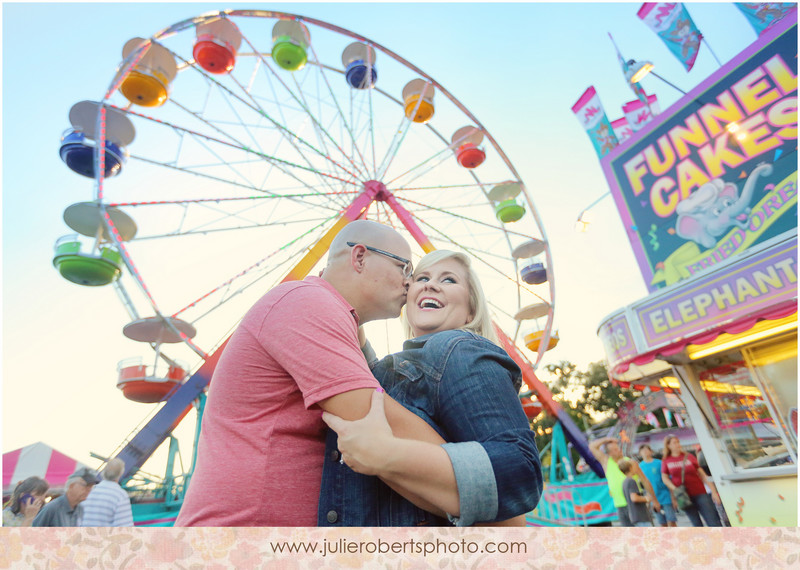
<point>295,354</point>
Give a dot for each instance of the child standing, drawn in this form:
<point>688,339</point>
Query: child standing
<point>638,502</point>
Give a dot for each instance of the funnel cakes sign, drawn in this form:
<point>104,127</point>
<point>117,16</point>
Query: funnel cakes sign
<point>716,173</point>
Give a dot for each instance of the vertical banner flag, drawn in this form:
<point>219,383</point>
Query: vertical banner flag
<point>622,129</point>
<point>667,416</point>
<point>637,88</point>
<point>765,15</point>
<point>638,114</point>
<point>593,118</point>
<point>672,23</point>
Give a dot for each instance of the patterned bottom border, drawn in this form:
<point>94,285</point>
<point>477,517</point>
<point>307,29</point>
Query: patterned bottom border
<point>288,548</point>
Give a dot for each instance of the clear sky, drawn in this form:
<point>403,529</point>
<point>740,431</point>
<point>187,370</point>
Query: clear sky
<point>518,67</point>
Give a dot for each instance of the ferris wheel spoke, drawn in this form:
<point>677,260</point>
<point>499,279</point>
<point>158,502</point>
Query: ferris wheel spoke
<point>274,75</point>
<point>271,159</point>
<point>291,140</point>
<point>292,137</point>
<point>204,231</point>
<point>298,198</point>
<point>259,264</point>
<point>347,126</point>
<point>464,218</point>
<point>400,135</point>
<point>339,115</point>
<point>424,167</point>
<point>394,147</point>
<point>232,199</point>
<point>430,163</point>
<point>479,254</point>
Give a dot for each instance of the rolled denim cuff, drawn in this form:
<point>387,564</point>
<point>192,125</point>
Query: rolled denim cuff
<point>477,489</point>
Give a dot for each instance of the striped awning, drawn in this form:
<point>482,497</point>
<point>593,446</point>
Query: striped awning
<point>37,459</point>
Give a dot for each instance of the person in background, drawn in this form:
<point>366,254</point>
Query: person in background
<point>638,509</point>
<point>26,501</point>
<point>66,510</point>
<point>681,468</point>
<point>453,375</point>
<point>608,453</point>
<point>108,504</point>
<point>651,467</point>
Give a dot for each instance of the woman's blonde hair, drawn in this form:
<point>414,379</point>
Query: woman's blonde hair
<point>481,322</point>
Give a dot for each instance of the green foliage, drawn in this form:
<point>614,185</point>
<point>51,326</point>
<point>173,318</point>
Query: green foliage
<point>588,397</point>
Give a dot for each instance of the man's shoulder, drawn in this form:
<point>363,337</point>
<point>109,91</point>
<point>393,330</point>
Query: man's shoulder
<point>49,512</point>
<point>311,293</point>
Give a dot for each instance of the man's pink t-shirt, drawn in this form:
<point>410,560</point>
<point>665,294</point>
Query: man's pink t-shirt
<point>262,442</point>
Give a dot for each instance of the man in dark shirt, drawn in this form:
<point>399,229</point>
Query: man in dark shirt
<point>66,509</point>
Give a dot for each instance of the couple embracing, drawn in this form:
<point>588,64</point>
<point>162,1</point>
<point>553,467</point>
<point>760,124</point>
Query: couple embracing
<point>432,435</point>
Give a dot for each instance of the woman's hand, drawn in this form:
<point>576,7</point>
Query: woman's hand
<point>715,497</point>
<point>31,508</point>
<point>364,443</point>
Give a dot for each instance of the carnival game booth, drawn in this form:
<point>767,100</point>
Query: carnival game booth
<point>708,195</point>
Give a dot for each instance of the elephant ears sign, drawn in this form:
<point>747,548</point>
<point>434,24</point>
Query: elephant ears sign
<point>716,173</point>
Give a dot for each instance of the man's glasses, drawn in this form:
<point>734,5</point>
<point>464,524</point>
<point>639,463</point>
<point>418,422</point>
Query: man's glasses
<point>408,269</point>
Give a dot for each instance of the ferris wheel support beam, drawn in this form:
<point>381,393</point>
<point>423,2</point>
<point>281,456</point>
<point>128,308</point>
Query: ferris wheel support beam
<point>151,436</point>
<point>574,434</point>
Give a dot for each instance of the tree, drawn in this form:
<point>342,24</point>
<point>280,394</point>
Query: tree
<point>589,397</point>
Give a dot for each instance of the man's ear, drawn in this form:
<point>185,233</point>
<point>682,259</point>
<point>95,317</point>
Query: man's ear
<point>358,254</point>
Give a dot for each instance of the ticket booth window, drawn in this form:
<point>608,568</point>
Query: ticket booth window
<point>744,411</point>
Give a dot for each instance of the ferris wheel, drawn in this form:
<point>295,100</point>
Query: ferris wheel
<point>230,148</point>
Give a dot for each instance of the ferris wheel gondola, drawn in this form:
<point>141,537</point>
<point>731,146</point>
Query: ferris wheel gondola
<point>252,149</point>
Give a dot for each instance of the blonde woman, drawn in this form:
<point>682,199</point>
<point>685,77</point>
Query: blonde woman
<point>455,377</point>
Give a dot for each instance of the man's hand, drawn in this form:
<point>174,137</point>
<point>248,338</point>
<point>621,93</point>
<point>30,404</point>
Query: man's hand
<point>364,443</point>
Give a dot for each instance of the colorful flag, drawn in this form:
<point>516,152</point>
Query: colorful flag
<point>672,23</point>
<point>667,416</point>
<point>679,420</point>
<point>639,114</point>
<point>593,118</point>
<point>652,419</point>
<point>622,129</point>
<point>765,15</point>
<point>637,88</point>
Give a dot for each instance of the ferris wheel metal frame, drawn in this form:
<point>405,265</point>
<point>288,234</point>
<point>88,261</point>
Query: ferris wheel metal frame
<point>179,401</point>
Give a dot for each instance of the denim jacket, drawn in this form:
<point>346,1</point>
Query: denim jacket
<point>466,388</point>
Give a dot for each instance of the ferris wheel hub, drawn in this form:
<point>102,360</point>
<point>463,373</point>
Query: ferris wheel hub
<point>377,190</point>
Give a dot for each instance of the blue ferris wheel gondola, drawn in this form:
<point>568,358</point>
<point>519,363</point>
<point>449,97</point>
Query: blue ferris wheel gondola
<point>534,274</point>
<point>78,143</point>
<point>359,63</point>
<point>357,73</point>
<point>77,152</point>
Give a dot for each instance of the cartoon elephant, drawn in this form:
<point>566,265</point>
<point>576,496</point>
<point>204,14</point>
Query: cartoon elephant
<point>714,207</point>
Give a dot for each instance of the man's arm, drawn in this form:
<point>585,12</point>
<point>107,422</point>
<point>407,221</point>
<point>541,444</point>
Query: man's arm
<point>595,447</point>
<point>355,405</point>
<point>415,463</point>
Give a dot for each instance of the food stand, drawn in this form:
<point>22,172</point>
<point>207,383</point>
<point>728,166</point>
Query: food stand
<point>707,192</point>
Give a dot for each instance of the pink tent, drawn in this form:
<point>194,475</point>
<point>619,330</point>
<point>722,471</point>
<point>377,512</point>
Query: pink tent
<point>37,459</point>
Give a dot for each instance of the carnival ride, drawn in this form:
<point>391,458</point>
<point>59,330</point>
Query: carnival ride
<point>225,158</point>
